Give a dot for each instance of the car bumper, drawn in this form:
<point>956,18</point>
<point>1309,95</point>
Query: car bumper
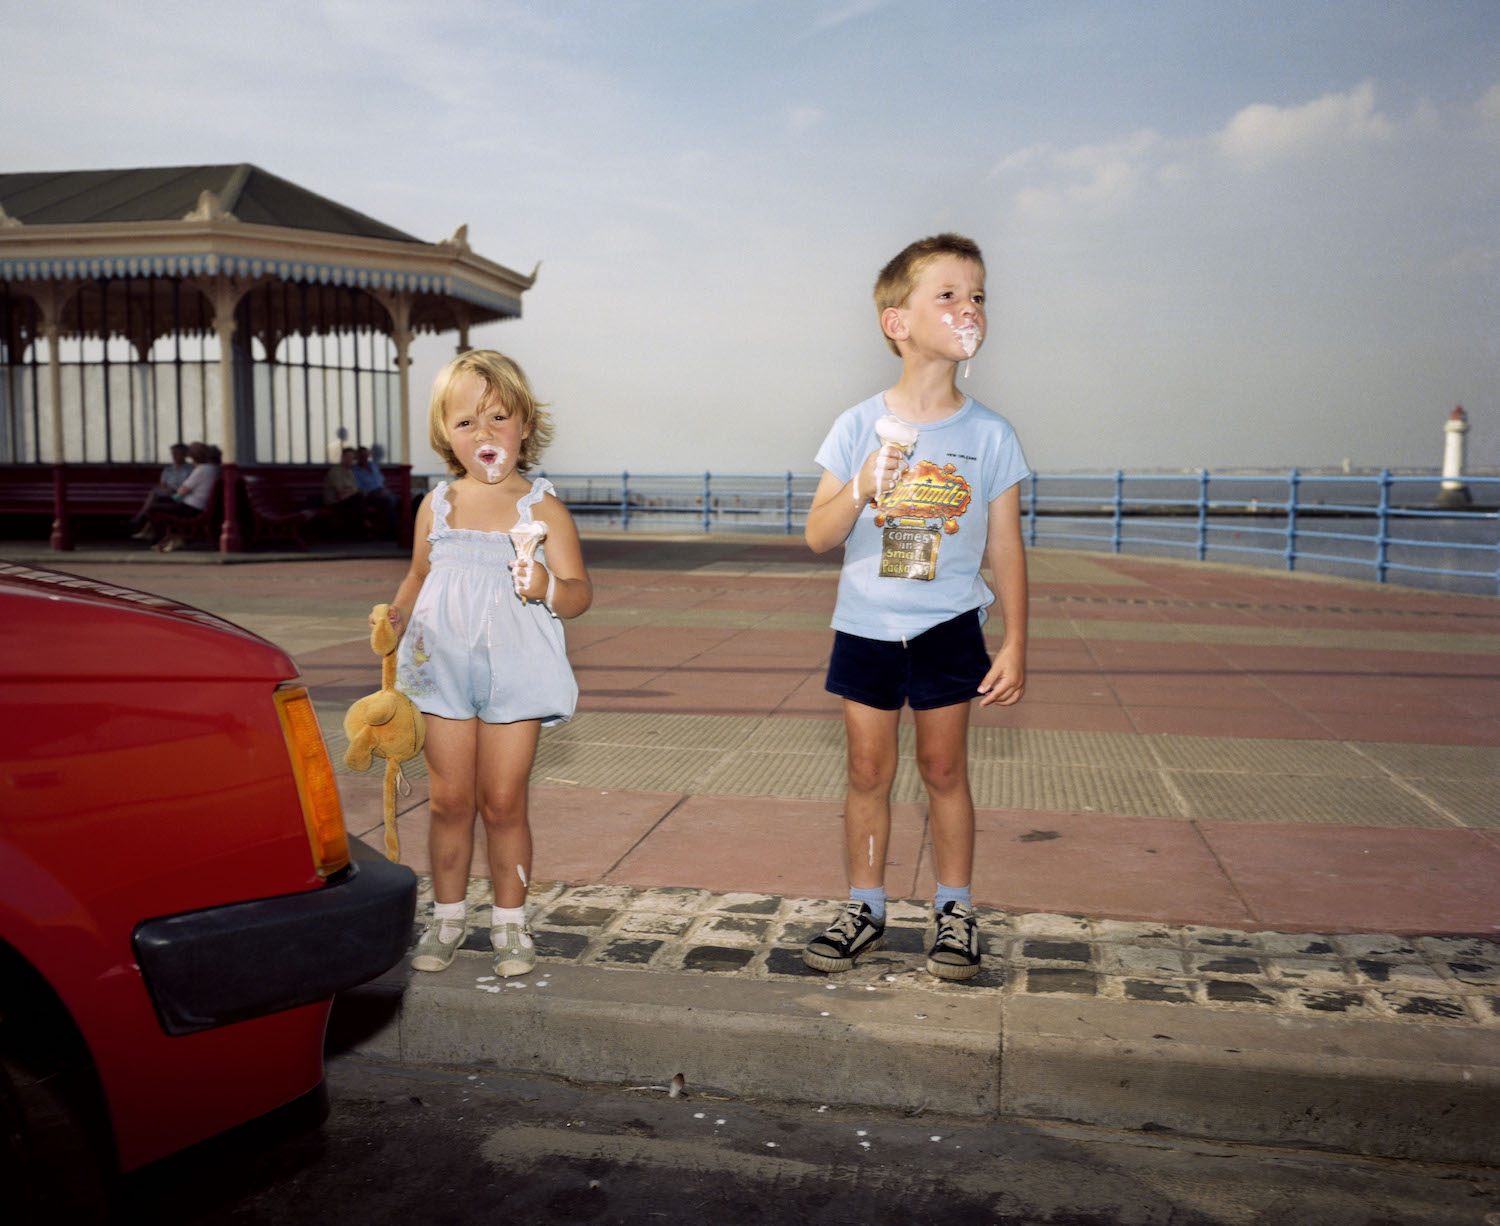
<point>243,960</point>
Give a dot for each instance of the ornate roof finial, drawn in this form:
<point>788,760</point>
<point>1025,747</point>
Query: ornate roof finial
<point>209,209</point>
<point>459,238</point>
<point>7,222</point>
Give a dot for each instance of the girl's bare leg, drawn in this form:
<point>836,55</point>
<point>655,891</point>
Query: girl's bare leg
<point>503,771</point>
<point>450,750</point>
<point>871,735</point>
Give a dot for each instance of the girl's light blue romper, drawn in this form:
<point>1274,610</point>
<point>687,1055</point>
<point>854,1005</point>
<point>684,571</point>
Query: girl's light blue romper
<point>473,647</point>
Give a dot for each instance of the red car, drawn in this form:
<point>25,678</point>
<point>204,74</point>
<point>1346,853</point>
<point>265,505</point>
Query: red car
<point>177,900</point>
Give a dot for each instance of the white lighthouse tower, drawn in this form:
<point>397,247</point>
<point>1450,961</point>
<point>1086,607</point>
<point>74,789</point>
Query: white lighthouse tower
<point>1453,492</point>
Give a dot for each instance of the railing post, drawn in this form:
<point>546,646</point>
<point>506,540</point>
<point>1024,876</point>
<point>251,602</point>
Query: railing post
<point>1292,480</point>
<point>1119,506</point>
<point>708,479</point>
<point>1032,517</point>
<point>624,501</point>
<point>789,502</point>
<point>1202,513</point>
<point>1382,527</point>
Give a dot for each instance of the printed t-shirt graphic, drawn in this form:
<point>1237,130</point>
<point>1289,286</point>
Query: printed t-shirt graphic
<point>915,516</point>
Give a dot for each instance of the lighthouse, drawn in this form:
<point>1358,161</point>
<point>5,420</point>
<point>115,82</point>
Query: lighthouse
<point>1453,492</point>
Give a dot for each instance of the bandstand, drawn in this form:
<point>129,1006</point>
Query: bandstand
<point>143,307</point>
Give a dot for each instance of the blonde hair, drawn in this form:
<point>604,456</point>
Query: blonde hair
<point>899,278</point>
<point>503,380</point>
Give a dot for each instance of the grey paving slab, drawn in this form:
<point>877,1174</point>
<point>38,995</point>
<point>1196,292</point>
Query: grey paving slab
<point>1223,755</point>
<point>1345,801</point>
<point>1477,762</point>
<point>636,767</point>
<point>1072,789</point>
<point>1469,802</point>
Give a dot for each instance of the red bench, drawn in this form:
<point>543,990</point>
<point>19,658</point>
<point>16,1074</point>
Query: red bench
<point>283,504</point>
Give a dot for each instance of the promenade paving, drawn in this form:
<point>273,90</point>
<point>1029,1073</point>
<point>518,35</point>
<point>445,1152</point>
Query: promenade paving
<point>1242,836</point>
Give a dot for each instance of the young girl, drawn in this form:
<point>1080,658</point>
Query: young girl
<point>481,650</point>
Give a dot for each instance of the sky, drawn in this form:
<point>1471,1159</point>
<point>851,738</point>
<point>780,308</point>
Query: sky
<point>1217,234</point>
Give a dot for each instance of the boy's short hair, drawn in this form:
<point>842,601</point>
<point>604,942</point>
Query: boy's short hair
<point>505,380</point>
<point>899,278</point>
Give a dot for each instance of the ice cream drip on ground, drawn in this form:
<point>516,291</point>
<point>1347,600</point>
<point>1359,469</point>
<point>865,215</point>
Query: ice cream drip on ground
<point>490,459</point>
<point>525,537</point>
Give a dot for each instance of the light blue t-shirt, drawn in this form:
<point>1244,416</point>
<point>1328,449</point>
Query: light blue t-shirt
<point>914,561</point>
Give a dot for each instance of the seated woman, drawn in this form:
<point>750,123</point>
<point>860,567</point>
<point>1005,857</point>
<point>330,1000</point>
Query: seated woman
<point>191,498</point>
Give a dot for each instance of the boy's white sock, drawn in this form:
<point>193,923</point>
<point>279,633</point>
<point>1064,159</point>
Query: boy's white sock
<point>450,916</point>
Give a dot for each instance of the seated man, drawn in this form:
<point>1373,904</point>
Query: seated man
<point>378,499</point>
<point>341,493</point>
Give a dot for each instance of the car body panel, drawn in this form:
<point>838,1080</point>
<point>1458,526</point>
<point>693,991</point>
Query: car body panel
<point>144,774</point>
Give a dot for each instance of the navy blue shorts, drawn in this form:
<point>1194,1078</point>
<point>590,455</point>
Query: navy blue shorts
<point>937,668</point>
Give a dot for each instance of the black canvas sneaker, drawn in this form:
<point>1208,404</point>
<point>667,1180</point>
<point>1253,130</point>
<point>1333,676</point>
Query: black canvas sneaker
<point>955,953</point>
<point>855,933</point>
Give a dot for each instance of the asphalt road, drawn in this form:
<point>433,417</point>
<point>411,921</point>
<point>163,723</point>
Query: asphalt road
<point>424,1148</point>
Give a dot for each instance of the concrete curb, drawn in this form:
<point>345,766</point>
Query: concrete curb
<point>1375,1088</point>
<point>1367,1044</point>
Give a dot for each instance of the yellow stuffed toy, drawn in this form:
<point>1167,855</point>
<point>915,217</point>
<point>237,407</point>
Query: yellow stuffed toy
<point>385,725</point>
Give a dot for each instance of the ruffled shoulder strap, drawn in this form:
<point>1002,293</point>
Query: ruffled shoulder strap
<point>539,487</point>
<point>440,509</point>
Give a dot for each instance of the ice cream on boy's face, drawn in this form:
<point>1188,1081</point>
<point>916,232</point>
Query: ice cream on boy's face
<point>969,334</point>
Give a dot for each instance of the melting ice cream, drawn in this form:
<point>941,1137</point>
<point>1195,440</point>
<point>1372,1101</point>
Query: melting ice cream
<point>526,538</point>
<point>490,459</point>
<point>898,439</point>
<point>968,335</point>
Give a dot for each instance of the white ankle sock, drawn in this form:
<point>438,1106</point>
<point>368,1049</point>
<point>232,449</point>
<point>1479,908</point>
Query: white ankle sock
<point>450,916</point>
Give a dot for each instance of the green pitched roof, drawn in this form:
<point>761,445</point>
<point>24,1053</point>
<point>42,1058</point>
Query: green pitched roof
<point>76,197</point>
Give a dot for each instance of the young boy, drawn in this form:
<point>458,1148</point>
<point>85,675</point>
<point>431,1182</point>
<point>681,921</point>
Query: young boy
<point>919,502</point>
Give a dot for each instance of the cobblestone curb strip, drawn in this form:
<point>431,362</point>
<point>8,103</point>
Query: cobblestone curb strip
<point>1369,1044</point>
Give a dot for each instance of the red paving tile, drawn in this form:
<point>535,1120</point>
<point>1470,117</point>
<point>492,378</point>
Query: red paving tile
<point>1426,730</point>
<point>789,847</point>
<point>1338,879</point>
<point>1057,717</point>
<point>1200,690</point>
<point>1208,721</point>
<point>1153,869</point>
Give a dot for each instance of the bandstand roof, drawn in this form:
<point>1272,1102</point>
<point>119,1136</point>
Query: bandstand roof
<point>237,220</point>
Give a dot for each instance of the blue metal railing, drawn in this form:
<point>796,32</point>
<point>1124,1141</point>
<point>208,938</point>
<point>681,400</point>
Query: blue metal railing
<point>1389,526</point>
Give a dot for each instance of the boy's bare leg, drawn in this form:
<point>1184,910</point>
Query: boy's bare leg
<point>505,754</point>
<point>450,751</point>
<point>871,735</point>
<point>943,760</point>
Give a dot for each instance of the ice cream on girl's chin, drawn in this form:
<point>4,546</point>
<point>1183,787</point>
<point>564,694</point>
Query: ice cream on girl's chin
<point>490,459</point>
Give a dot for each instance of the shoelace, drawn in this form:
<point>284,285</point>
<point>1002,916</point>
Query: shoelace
<point>952,931</point>
<point>848,924</point>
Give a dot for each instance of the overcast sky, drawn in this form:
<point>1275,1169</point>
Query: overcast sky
<point>1218,234</point>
